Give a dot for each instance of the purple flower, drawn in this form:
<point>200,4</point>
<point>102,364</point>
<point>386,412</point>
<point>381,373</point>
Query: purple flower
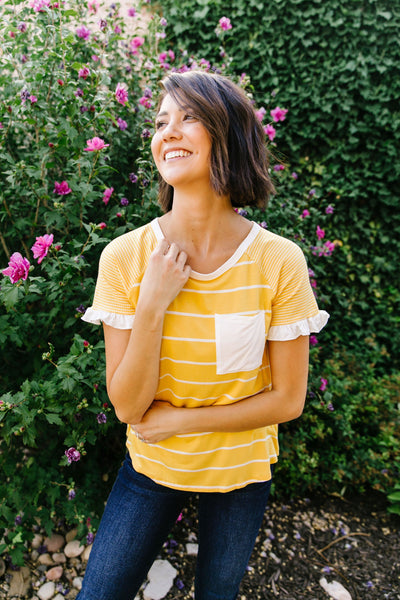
<point>83,32</point>
<point>124,201</point>
<point>294,175</point>
<point>18,520</point>
<point>103,24</point>
<point>242,212</point>
<point>330,407</point>
<point>81,309</point>
<point>62,189</point>
<point>22,26</point>
<point>78,93</point>
<point>133,178</point>
<point>311,192</point>
<point>90,538</point>
<point>122,124</point>
<point>329,209</point>
<point>71,494</point>
<point>326,570</point>
<point>179,584</point>
<point>41,246</point>
<point>279,167</point>
<point>18,268</point>
<point>101,418</point>
<point>163,22</point>
<point>72,454</point>
<point>145,134</point>
<point>313,340</point>
<point>24,95</point>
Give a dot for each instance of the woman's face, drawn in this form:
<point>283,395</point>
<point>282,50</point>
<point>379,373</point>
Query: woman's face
<point>181,145</point>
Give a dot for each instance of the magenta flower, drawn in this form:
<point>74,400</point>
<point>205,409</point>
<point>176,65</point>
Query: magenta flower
<point>305,213</point>
<point>330,246</point>
<point>131,12</point>
<point>270,132</point>
<point>225,23</point>
<point>121,94</point>
<point>324,384</point>
<point>84,73</point>
<point>18,268</point>
<point>93,5</point>
<point>101,418</point>
<point>38,5</point>
<point>107,195</point>
<point>144,101</point>
<point>72,454</point>
<point>329,209</point>
<point>95,144</point>
<point>313,340</point>
<point>279,167</point>
<point>320,232</point>
<point>33,99</point>
<point>41,246</point>
<point>83,32</point>
<point>102,225</point>
<point>278,114</point>
<point>294,175</point>
<point>136,42</point>
<point>62,189</point>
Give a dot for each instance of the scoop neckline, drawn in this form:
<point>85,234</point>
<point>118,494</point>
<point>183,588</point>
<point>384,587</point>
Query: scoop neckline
<point>232,260</point>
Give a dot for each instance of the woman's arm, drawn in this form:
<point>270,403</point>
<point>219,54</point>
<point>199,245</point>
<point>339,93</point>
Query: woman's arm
<point>284,402</point>
<point>133,356</point>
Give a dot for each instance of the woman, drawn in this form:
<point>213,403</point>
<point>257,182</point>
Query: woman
<point>206,320</point>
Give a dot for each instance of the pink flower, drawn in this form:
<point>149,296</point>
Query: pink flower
<point>95,144</point>
<point>330,246</point>
<point>329,209</point>
<point>320,232</point>
<point>305,213</point>
<point>93,5</point>
<point>83,32</point>
<point>95,58</point>
<point>107,195</point>
<point>62,189</point>
<point>324,384</point>
<point>145,102</point>
<point>102,225</point>
<point>18,267</point>
<point>294,175</point>
<point>121,94</point>
<point>131,12</point>
<point>41,246</point>
<point>38,5</point>
<point>117,29</point>
<point>279,167</point>
<point>32,98</point>
<point>136,42</point>
<point>225,23</point>
<point>278,114</point>
<point>270,131</point>
<point>260,113</point>
<point>84,73</point>
<point>313,340</point>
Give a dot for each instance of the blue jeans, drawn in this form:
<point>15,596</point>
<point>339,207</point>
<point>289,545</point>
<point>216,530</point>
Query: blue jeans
<point>137,519</point>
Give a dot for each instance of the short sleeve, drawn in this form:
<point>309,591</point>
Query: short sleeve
<point>111,303</point>
<point>294,310</point>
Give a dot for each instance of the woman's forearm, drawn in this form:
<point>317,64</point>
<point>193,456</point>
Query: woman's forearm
<point>134,383</point>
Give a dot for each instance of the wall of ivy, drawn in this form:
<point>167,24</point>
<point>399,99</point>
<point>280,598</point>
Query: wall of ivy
<point>334,65</point>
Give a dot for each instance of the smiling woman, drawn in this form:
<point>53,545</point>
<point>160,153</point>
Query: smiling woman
<point>206,320</point>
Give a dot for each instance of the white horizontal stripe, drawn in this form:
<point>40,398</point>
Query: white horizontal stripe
<point>242,312</point>
<point>188,362</point>
<point>182,339</point>
<point>211,487</point>
<point>244,262</point>
<point>234,398</point>
<point>216,449</point>
<point>238,289</point>
<point>213,382</point>
<point>159,462</point>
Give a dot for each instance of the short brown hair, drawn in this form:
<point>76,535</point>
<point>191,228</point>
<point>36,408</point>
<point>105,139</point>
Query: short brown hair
<point>239,156</point>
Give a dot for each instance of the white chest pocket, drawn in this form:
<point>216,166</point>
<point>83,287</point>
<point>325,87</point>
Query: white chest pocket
<point>240,342</point>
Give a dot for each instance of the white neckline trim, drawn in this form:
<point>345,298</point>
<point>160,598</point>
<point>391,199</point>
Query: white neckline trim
<point>240,250</point>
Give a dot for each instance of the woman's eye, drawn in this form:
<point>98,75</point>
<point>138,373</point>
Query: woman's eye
<point>159,124</point>
<point>187,117</point>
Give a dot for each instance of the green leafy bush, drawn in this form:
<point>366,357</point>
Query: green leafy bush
<point>76,114</point>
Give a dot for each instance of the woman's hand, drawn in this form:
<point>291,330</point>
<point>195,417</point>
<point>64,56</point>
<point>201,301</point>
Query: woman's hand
<point>165,276</point>
<point>159,422</point>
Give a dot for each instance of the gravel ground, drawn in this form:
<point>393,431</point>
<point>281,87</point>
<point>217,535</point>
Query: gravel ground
<point>354,542</point>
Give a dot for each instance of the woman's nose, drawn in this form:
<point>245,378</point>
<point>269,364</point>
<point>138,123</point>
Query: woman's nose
<point>172,131</point>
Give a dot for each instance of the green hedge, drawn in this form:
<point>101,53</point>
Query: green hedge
<point>334,65</point>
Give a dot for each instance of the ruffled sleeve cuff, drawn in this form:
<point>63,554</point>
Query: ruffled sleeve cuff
<point>113,319</point>
<point>283,333</point>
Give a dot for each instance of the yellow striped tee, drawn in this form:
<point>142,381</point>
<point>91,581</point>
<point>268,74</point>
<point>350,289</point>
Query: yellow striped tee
<point>213,349</point>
